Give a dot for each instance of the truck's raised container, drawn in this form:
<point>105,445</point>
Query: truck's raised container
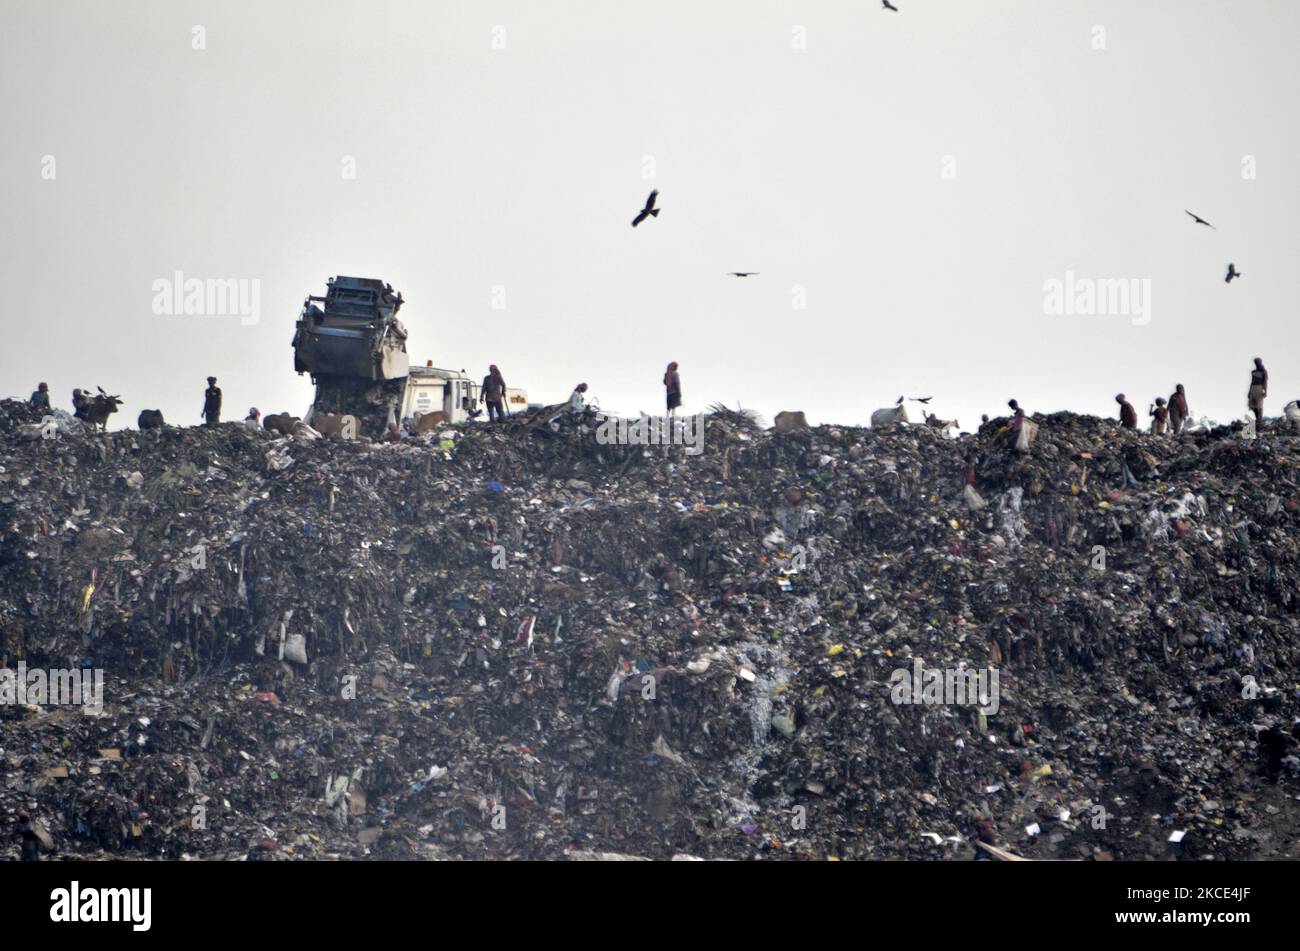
<point>355,334</point>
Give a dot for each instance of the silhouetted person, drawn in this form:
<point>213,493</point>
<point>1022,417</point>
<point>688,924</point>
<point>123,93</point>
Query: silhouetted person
<point>1128,417</point>
<point>494,393</point>
<point>80,403</point>
<point>41,398</point>
<point>673,384</point>
<point>1017,421</point>
<point>1177,410</point>
<point>1159,417</point>
<point>211,402</point>
<point>1258,390</point>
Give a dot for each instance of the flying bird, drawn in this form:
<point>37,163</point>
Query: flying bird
<point>1200,221</point>
<point>1232,272</point>
<point>921,399</point>
<point>888,6</point>
<point>742,273</point>
<point>648,210</point>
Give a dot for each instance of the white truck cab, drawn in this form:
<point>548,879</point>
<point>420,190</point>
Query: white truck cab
<point>431,389</point>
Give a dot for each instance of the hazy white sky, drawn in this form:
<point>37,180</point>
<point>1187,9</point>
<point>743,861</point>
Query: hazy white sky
<point>806,141</point>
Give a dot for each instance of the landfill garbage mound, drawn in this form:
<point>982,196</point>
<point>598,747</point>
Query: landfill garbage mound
<point>513,641</point>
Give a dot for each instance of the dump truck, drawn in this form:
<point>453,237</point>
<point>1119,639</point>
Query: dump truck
<point>354,347</point>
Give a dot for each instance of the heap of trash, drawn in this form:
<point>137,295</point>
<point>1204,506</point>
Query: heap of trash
<point>516,640</point>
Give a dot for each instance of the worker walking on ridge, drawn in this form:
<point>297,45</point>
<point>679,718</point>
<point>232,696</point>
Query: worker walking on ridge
<point>41,398</point>
<point>1177,410</point>
<point>673,384</point>
<point>494,393</point>
<point>1128,417</point>
<point>1021,432</point>
<point>1159,415</point>
<point>1258,390</point>
<point>211,402</point>
<point>1017,421</point>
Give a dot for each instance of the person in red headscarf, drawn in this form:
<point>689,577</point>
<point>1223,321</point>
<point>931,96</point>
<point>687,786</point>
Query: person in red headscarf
<point>673,384</point>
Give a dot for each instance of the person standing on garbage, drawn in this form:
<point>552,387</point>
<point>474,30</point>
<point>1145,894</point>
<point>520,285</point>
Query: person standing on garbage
<point>577,402</point>
<point>1128,417</point>
<point>1177,410</point>
<point>41,398</point>
<point>673,384</point>
<point>494,393</point>
<point>211,402</point>
<point>1159,415</point>
<point>1258,390</point>
<point>1017,420</point>
<point>80,402</point>
<point>254,418</point>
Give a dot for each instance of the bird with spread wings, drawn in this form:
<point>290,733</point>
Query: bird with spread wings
<point>648,210</point>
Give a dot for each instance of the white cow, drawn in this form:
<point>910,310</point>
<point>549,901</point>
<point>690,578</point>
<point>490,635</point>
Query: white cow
<point>887,417</point>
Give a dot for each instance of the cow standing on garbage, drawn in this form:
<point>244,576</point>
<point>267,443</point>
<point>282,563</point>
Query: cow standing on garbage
<point>95,410</point>
<point>150,419</point>
<point>890,416</point>
<point>211,402</point>
<point>281,423</point>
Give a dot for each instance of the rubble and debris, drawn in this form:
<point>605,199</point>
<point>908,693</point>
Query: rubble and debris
<point>512,641</point>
